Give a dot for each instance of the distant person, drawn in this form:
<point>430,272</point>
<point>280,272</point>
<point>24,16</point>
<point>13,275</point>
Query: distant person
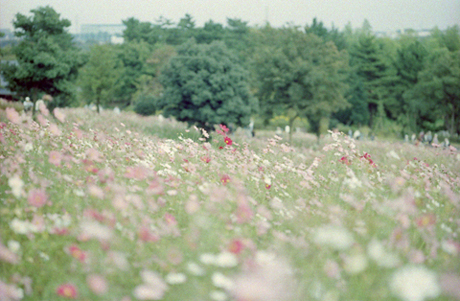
<point>278,131</point>
<point>406,138</point>
<point>435,140</point>
<point>357,135</point>
<point>350,133</point>
<point>413,138</point>
<point>428,137</point>
<point>28,105</point>
<point>116,110</point>
<point>421,136</point>
<point>446,143</point>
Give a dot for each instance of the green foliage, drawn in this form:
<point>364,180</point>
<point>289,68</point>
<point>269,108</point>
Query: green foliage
<point>47,58</point>
<point>334,35</point>
<point>206,85</point>
<point>135,69</point>
<point>299,74</point>
<point>145,105</point>
<point>438,86</point>
<point>99,75</point>
<point>373,67</point>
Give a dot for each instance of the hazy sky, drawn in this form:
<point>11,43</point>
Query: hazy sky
<point>383,15</point>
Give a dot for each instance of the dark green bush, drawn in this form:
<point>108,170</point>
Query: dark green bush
<point>145,105</point>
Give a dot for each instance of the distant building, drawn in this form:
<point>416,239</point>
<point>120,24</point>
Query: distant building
<point>394,34</point>
<point>101,33</point>
<point>111,29</point>
<point>9,37</point>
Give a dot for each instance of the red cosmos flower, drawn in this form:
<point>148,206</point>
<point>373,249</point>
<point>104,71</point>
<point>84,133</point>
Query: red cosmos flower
<point>67,290</point>
<point>225,179</point>
<point>236,246</point>
<point>344,160</point>
<point>268,186</point>
<point>368,158</point>
<point>228,141</point>
<point>77,253</point>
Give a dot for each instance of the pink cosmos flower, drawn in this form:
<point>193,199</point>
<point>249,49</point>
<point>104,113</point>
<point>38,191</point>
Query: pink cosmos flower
<point>97,284</point>
<point>9,292</point>
<point>206,159</point>
<point>77,253</point>
<point>138,173</point>
<point>93,155</point>
<point>59,115</point>
<point>426,220</point>
<point>12,116</point>
<point>225,179</point>
<point>146,235</point>
<point>67,290</point>
<point>224,128</point>
<point>37,198</point>
<point>55,130</point>
<point>244,213</point>
<point>7,255</point>
<point>170,219</point>
<point>55,158</point>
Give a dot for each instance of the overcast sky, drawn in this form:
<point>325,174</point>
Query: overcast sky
<point>383,15</point>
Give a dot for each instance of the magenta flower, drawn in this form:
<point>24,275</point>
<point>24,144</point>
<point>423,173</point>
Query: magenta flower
<point>67,290</point>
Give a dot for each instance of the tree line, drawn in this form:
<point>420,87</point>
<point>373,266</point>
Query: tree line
<point>227,73</point>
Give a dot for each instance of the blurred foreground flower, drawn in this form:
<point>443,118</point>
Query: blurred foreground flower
<point>335,237</point>
<point>153,287</point>
<point>16,185</point>
<point>67,290</point>
<point>414,283</point>
<point>269,279</point>
<point>9,292</point>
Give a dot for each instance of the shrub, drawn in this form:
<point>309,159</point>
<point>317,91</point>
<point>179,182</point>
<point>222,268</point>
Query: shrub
<point>145,105</point>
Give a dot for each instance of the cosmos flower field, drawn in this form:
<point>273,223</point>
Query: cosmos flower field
<point>98,207</point>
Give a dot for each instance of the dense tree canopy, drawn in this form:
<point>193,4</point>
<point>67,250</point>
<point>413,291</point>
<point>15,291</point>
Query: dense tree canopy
<point>300,75</point>
<point>205,85</point>
<point>47,60</point>
<point>393,85</point>
<point>99,75</point>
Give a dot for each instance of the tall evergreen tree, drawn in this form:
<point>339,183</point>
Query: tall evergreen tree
<point>299,75</point>
<point>47,60</point>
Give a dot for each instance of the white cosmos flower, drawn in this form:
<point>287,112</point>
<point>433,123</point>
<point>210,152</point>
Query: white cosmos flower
<point>208,258</point>
<point>16,185</point>
<point>175,278</point>
<point>335,237</point>
<point>414,283</point>
<point>355,264</point>
<point>218,295</point>
<point>195,269</point>
<point>221,281</point>
<point>226,260</point>
<point>382,258</point>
